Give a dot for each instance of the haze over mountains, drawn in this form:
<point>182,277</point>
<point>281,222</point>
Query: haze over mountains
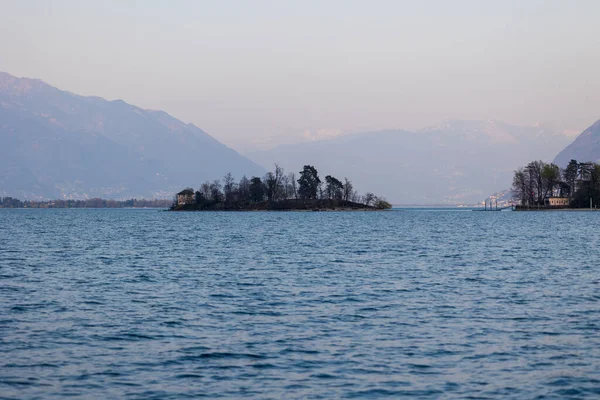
<point>451,163</point>
<point>56,144</point>
<point>586,147</point>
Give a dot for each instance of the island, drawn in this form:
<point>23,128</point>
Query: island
<point>277,191</point>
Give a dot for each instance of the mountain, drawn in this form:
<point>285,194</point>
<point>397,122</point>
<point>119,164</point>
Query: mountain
<point>56,144</point>
<point>455,162</point>
<point>586,147</point>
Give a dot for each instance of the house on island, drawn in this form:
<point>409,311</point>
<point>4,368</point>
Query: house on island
<point>185,197</point>
<point>556,202</point>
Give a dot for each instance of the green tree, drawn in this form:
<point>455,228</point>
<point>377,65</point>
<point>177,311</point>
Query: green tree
<point>382,204</point>
<point>334,188</point>
<point>570,177</point>
<point>589,185</point>
<point>308,183</point>
<point>257,190</point>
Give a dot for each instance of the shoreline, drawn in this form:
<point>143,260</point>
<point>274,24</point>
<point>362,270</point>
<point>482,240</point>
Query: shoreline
<point>321,205</point>
<point>555,209</point>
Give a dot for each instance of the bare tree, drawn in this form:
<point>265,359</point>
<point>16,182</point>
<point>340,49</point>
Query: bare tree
<point>278,181</point>
<point>270,182</point>
<point>228,187</point>
<point>244,189</point>
<point>293,188</point>
<point>368,198</point>
<point>520,189</point>
<point>205,190</point>
<point>274,184</point>
<point>347,189</point>
<point>535,169</point>
<point>285,186</point>
<point>215,191</point>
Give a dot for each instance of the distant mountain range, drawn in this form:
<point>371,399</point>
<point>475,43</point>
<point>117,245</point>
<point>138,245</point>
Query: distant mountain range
<point>451,163</point>
<point>56,144</point>
<point>586,147</point>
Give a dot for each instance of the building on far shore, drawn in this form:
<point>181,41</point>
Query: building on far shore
<point>185,197</point>
<point>556,202</point>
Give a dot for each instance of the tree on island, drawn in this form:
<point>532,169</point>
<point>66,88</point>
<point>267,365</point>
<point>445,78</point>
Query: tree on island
<point>292,188</point>
<point>334,188</point>
<point>215,191</point>
<point>244,189</point>
<point>308,183</point>
<point>257,190</point>
<point>205,190</point>
<point>229,188</point>
<point>270,182</point>
<point>588,185</point>
<point>551,177</point>
<point>570,176</point>
<point>348,189</point>
<point>199,197</point>
<point>369,198</point>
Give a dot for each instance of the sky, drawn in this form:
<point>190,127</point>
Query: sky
<point>256,72</point>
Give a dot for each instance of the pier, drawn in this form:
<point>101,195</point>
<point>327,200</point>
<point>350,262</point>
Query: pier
<point>496,208</point>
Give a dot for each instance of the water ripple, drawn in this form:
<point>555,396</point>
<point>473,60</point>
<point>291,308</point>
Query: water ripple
<point>153,305</point>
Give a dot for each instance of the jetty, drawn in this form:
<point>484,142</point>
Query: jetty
<point>495,207</point>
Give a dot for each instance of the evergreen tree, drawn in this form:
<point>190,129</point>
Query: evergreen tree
<point>308,183</point>
<point>570,176</point>
<point>257,190</point>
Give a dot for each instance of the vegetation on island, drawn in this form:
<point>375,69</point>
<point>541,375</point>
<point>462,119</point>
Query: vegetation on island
<point>278,191</point>
<point>11,202</point>
<point>538,181</point>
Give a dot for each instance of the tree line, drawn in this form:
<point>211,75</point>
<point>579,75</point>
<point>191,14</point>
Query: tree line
<point>579,182</point>
<point>276,186</point>
<point>11,202</point>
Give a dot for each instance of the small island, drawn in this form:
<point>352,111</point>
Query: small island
<point>277,191</point>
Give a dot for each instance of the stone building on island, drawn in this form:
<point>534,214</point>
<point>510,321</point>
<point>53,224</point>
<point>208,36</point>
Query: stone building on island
<point>185,197</point>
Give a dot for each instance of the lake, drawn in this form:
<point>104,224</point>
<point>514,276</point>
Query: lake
<point>145,304</point>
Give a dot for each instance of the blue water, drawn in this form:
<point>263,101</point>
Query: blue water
<point>145,304</point>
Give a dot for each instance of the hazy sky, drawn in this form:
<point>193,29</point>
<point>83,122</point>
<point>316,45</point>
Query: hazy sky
<point>246,70</point>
